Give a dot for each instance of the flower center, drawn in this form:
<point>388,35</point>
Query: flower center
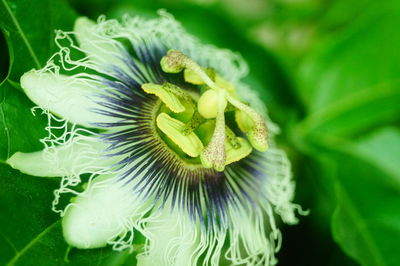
<point>206,124</point>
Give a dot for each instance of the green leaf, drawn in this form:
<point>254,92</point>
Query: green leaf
<point>366,221</point>
<point>363,110</point>
<point>383,148</point>
<point>28,27</point>
<point>30,232</point>
<point>3,57</point>
<point>29,30</point>
<point>351,82</point>
<point>49,248</point>
<point>20,130</point>
<point>25,204</point>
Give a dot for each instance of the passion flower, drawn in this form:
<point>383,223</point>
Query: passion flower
<point>175,146</point>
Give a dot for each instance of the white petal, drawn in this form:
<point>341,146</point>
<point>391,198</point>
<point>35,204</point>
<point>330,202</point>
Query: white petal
<point>100,49</point>
<point>107,209</point>
<point>82,155</point>
<point>253,236</point>
<point>173,239</point>
<point>98,42</point>
<point>70,97</point>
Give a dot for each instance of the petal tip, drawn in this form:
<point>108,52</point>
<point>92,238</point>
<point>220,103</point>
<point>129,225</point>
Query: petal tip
<point>81,231</point>
<point>82,23</point>
<point>98,215</point>
<point>13,160</point>
<point>31,163</point>
<point>27,79</point>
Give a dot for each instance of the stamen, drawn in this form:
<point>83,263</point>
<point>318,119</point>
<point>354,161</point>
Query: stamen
<point>258,133</point>
<point>236,148</point>
<point>194,123</point>
<point>173,128</point>
<point>232,139</point>
<point>213,156</point>
<point>223,83</point>
<point>175,61</point>
<point>168,98</point>
<point>191,77</point>
<point>236,154</point>
<point>243,121</point>
<point>184,95</point>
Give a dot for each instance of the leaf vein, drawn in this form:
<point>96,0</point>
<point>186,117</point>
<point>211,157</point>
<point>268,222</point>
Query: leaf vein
<point>30,244</point>
<point>361,226</point>
<point>6,129</point>
<point>23,36</point>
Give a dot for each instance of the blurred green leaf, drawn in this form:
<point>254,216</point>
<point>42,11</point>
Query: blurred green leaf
<point>350,85</point>
<point>349,115</point>
<point>383,148</point>
<point>29,30</point>
<point>366,222</point>
<point>351,82</point>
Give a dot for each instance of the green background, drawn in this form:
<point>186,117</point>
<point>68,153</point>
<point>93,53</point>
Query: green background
<point>328,70</point>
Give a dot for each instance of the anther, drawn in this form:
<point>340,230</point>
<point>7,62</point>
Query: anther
<point>178,92</point>
<point>256,130</point>
<point>171,100</point>
<point>193,123</point>
<point>232,139</point>
<point>236,154</point>
<point>175,62</point>
<point>192,77</point>
<point>173,128</point>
